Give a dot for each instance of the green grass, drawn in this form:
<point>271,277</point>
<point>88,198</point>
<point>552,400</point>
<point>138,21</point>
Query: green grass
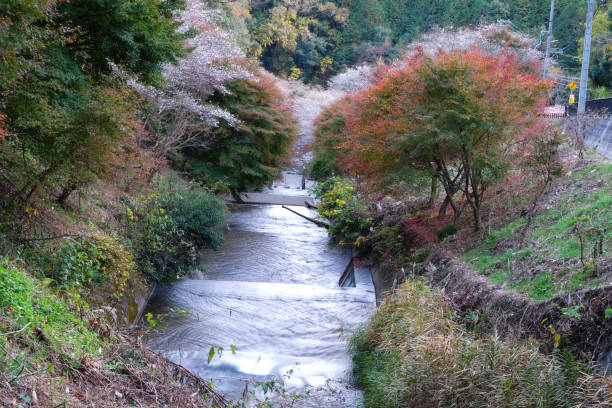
<point>27,301</point>
<point>505,232</point>
<point>555,225</point>
<point>586,208</point>
<point>602,169</point>
<point>499,277</point>
<point>542,287</point>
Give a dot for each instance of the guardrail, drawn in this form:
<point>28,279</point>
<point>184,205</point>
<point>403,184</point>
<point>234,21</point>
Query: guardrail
<point>602,105</point>
<point>552,115</point>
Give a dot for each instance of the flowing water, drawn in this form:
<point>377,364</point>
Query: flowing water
<point>272,291</point>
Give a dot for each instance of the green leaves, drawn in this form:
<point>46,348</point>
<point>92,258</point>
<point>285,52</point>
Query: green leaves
<point>138,35</point>
<point>59,94</point>
<point>249,154</point>
<point>218,351</point>
<point>573,312</point>
<point>167,229</point>
<point>340,204</point>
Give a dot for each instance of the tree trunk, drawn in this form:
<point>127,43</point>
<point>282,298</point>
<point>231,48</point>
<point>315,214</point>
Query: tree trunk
<point>443,207</point>
<point>476,211</point>
<point>458,214</point>
<point>41,179</point>
<point>434,191</point>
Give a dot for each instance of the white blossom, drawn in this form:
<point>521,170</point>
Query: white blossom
<point>214,59</point>
<point>489,37</point>
<point>353,80</point>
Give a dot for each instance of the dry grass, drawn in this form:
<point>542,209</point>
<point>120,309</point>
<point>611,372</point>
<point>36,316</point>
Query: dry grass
<point>127,376</point>
<point>414,353</point>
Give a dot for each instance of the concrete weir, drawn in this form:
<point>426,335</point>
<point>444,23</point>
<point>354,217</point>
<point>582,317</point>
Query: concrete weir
<point>276,199</point>
<point>271,292</point>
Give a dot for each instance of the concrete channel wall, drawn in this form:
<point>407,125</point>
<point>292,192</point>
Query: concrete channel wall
<point>599,136</point>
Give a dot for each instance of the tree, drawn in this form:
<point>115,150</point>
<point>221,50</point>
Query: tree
<point>456,116</point>
<point>62,93</point>
<point>601,49</point>
<point>181,116</point>
<point>20,40</point>
<point>248,154</point>
<point>329,134</point>
<point>138,35</point>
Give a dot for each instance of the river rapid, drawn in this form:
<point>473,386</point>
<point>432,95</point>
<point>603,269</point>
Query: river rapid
<point>271,291</point>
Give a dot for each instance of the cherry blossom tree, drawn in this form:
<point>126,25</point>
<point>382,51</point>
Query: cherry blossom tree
<point>182,114</point>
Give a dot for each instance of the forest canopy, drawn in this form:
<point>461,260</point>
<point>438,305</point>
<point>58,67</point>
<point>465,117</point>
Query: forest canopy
<point>312,39</point>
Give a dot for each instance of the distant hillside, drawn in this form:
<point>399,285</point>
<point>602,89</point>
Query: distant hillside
<point>312,39</point>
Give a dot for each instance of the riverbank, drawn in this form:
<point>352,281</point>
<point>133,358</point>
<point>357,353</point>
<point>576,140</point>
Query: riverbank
<point>548,297</point>
<point>56,350</point>
<point>416,351</point>
<point>73,289</point>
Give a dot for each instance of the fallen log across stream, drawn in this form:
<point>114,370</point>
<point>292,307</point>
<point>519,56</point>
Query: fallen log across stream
<point>310,205</point>
<point>315,221</point>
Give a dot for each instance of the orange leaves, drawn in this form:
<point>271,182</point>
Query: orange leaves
<point>4,133</point>
<point>465,99</point>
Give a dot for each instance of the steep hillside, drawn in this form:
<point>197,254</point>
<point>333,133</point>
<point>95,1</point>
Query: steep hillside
<point>313,39</point>
<point>119,123</point>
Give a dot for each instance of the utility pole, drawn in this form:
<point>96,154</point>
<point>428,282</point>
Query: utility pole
<point>549,37</point>
<point>586,56</point>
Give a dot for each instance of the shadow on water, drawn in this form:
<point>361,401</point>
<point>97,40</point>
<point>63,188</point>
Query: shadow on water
<point>272,291</point>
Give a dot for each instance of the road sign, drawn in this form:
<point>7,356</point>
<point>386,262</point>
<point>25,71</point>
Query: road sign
<point>572,85</point>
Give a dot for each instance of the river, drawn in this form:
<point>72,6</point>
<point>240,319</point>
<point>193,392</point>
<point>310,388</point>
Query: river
<point>271,291</point>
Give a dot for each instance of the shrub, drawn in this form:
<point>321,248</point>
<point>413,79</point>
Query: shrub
<point>389,242</point>
<point>168,228</point>
<point>91,260</point>
<point>195,210</point>
<point>340,204</point>
<point>414,353</point>
<point>448,230</point>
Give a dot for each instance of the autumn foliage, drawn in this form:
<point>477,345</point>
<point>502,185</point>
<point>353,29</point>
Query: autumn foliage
<point>458,118</point>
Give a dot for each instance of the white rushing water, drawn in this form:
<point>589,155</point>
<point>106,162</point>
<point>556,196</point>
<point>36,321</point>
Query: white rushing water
<point>272,291</point>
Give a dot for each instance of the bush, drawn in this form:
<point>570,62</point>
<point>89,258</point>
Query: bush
<point>340,205</point>
<point>323,166</point>
<point>91,260</point>
<point>388,241</point>
<point>168,228</point>
<point>196,211</point>
<point>448,230</point>
<point>414,353</point>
